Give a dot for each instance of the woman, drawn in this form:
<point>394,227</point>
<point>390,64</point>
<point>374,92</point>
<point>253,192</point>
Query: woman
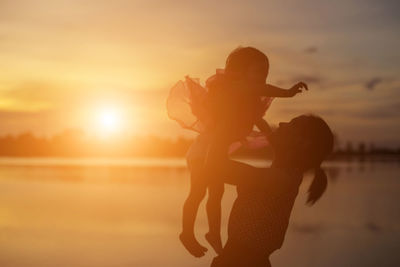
<point>260,215</point>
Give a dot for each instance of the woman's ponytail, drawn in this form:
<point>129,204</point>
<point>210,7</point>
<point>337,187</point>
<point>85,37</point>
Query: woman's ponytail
<point>318,186</point>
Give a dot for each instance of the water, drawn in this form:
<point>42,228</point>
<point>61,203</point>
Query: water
<point>126,212</point>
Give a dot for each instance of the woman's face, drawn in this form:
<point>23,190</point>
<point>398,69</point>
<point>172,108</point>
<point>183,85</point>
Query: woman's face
<point>287,136</point>
<point>304,141</point>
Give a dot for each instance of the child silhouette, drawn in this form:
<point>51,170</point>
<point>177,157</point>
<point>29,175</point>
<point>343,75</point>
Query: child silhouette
<point>224,113</point>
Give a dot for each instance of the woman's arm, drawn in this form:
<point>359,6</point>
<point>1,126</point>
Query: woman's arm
<point>238,173</point>
<point>241,174</point>
<point>274,91</point>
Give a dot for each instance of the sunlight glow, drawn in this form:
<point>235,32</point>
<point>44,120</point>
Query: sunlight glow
<point>109,120</point>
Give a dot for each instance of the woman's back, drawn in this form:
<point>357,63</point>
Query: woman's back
<point>269,205</point>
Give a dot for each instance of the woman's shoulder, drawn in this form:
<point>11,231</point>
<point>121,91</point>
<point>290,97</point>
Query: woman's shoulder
<point>285,173</point>
<point>282,177</point>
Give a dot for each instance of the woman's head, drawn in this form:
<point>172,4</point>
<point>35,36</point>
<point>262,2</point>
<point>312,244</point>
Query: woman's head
<point>247,63</point>
<point>307,138</point>
<point>304,143</point>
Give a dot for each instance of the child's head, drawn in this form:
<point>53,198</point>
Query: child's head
<point>247,63</point>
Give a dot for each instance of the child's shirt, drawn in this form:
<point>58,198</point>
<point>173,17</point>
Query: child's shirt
<point>230,107</point>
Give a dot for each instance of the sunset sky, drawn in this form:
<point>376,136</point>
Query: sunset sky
<point>63,62</point>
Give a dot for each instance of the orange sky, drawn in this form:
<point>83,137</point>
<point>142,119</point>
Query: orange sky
<point>61,61</point>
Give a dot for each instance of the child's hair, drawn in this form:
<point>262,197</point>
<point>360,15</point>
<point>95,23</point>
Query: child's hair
<point>240,59</point>
<point>316,129</point>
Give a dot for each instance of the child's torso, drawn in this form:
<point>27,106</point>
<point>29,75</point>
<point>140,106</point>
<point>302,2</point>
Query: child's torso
<point>235,109</point>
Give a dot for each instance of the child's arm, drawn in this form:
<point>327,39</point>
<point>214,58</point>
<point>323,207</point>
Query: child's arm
<point>274,91</point>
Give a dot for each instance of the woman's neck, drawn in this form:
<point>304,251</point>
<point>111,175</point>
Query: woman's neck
<point>285,163</point>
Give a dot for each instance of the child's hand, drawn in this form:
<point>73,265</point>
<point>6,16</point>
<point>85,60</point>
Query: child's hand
<point>297,88</point>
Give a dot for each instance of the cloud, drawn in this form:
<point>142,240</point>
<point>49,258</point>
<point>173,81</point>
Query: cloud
<point>14,122</point>
<point>307,228</point>
<point>373,227</point>
<point>311,50</point>
<point>364,111</point>
<point>308,79</point>
<point>32,90</point>
<point>371,84</point>
<point>382,111</point>
<point>31,95</point>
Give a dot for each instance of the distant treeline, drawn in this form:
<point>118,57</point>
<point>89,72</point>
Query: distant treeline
<point>74,143</point>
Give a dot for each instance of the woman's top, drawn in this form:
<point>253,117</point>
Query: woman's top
<point>260,215</point>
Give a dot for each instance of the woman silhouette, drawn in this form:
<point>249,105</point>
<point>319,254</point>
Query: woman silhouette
<point>260,215</point>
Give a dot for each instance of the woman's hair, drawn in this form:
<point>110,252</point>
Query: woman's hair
<point>317,131</point>
<point>240,59</point>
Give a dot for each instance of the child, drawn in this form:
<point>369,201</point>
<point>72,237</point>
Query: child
<point>224,115</point>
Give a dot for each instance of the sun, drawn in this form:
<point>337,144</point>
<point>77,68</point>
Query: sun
<point>109,120</point>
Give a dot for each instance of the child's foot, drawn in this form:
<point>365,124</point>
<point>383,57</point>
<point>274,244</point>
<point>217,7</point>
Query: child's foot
<point>192,245</point>
<point>215,242</point>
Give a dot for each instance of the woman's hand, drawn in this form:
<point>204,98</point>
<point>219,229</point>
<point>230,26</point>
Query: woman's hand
<point>297,88</point>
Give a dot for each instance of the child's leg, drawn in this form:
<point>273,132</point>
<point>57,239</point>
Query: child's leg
<point>218,149</point>
<point>213,206</point>
<point>196,195</point>
<point>197,192</point>
<point>264,127</point>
